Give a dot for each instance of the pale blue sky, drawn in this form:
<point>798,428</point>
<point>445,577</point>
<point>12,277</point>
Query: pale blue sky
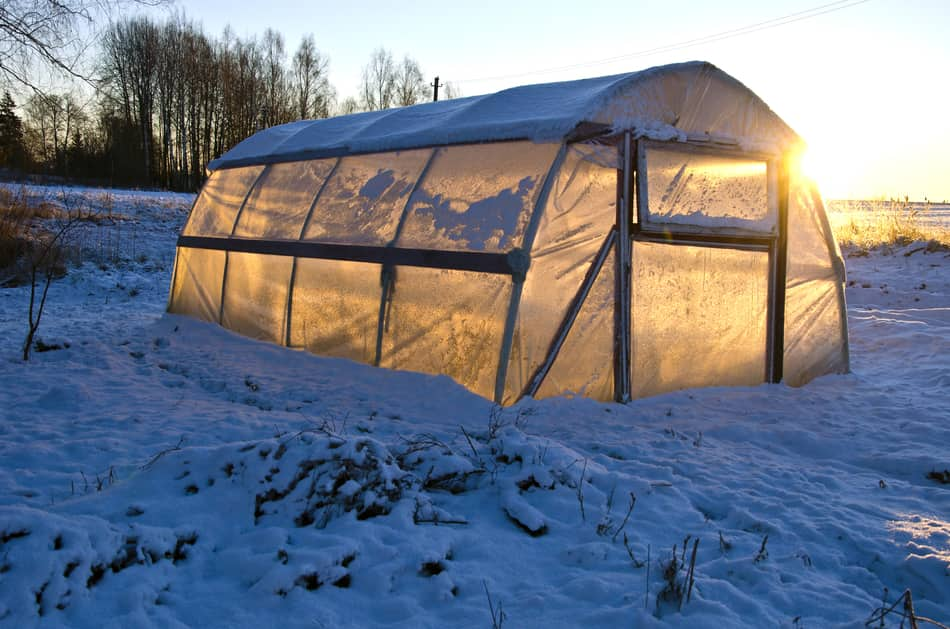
<point>865,85</point>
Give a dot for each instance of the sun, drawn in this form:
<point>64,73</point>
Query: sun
<point>816,166</point>
<point>835,170</point>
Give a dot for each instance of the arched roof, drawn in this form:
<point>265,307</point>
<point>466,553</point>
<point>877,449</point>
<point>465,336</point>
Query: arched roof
<point>693,99</point>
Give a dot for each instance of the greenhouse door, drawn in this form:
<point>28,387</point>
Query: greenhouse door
<point>705,269</point>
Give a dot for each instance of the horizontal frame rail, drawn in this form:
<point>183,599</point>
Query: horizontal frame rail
<point>458,260</point>
<point>745,243</point>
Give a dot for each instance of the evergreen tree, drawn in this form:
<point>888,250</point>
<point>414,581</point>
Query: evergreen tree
<point>12,149</point>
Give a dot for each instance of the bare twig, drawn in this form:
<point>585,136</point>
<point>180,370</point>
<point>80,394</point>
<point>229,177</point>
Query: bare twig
<point>763,554</point>
<point>470,443</point>
<point>155,458</point>
<point>633,501</point>
<point>626,545</point>
<point>692,571</point>
<point>580,491</point>
<point>497,616</point>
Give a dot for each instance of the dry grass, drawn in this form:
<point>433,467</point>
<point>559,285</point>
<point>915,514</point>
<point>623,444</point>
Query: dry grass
<point>24,229</point>
<point>870,224</point>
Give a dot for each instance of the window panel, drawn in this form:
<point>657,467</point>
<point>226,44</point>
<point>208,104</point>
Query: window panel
<point>197,283</point>
<point>448,322</point>
<point>695,189</point>
<point>363,200</point>
<point>279,203</point>
<point>219,201</point>
<point>477,197</point>
<point>698,317</point>
<point>335,308</point>
<point>255,295</point>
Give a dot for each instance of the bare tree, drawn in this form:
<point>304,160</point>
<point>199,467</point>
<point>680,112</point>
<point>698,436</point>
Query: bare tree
<point>47,34</point>
<point>276,99</point>
<point>410,87</point>
<point>378,85</point>
<point>349,106</point>
<point>312,92</point>
<point>451,90</point>
<point>46,259</point>
<point>132,60</point>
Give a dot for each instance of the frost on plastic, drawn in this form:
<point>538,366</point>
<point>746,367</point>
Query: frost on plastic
<point>335,308</point>
<point>477,197</point>
<point>279,203</point>
<point>815,329</point>
<point>255,295</point>
<point>580,210</point>
<point>363,200</point>
<point>698,317</point>
<point>220,199</point>
<point>699,189</point>
<point>449,322</point>
<point>585,365</point>
<point>197,283</point>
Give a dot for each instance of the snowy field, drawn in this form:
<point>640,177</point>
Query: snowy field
<point>162,472</point>
<point>926,216</point>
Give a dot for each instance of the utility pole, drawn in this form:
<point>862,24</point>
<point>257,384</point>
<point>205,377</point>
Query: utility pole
<point>435,91</point>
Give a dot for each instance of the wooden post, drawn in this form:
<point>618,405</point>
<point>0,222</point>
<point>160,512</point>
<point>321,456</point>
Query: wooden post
<point>435,89</point>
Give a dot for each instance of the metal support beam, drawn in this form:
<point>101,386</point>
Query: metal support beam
<point>622,293</point>
<point>779,259</point>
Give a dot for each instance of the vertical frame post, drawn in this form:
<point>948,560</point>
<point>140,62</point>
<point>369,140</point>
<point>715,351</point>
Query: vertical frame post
<point>622,292</point>
<point>778,256</point>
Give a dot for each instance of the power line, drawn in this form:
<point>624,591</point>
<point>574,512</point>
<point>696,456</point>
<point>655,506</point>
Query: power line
<point>798,16</point>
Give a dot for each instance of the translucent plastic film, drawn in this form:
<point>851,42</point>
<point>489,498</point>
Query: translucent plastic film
<point>705,190</point>
<point>219,201</point>
<point>197,284</point>
<point>580,210</point>
<point>255,295</point>
<point>448,322</point>
<point>815,325</point>
<point>585,364</point>
<point>335,308</point>
<point>363,200</point>
<point>279,203</point>
<point>477,197</point>
<point>698,317</point>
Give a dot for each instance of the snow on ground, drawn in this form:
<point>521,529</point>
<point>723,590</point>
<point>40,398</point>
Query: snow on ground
<point>164,472</point>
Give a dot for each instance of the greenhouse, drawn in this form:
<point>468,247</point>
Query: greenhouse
<point>614,237</point>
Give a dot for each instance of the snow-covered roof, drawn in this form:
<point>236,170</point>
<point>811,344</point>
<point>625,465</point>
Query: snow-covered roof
<point>664,102</point>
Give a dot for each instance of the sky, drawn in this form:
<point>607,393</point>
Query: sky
<point>862,81</point>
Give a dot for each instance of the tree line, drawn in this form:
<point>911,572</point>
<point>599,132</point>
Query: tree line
<point>168,98</point>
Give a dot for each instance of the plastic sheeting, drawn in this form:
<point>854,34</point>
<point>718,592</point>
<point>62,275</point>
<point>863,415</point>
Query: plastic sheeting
<point>220,199</point>
<point>448,322</point>
<point>280,201</point>
<point>698,317</point>
<point>255,295</point>
<point>815,323</point>
<point>196,287</point>
<point>585,364</point>
<point>706,190</point>
<point>335,308</point>
<point>580,210</point>
<point>477,198</point>
<point>664,102</point>
<point>699,314</point>
<point>363,200</point>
